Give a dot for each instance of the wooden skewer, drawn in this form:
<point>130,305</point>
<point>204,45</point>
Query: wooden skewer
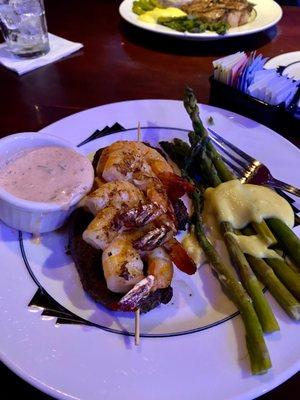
<point>137,327</point>
<point>137,312</point>
<point>139,133</point>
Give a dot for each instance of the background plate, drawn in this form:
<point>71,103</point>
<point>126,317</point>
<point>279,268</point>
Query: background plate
<point>268,13</point>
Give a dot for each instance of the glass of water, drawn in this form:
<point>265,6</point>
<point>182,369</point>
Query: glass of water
<point>24,27</point>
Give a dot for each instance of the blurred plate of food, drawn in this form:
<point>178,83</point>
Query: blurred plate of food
<point>201,19</point>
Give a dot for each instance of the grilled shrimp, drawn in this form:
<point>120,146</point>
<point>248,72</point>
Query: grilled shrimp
<point>107,204</point>
<point>122,158</point>
<point>119,194</point>
<point>160,274</point>
<point>120,206</point>
<point>134,219</point>
<point>122,265</point>
<point>161,267</point>
<point>109,223</point>
<point>139,164</point>
<point>101,230</point>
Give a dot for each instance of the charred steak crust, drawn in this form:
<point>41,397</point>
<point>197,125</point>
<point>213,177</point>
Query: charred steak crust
<point>88,264</point>
<point>96,158</point>
<point>181,214</point>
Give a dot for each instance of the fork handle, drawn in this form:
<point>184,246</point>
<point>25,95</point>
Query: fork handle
<point>284,186</point>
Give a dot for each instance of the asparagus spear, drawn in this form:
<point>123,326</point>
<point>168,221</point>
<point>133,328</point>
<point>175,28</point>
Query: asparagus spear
<point>176,152</point>
<point>286,275</point>
<point>258,352</point>
<point>204,163</point>
<point>191,106</point>
<point>278,290</point>
<point>286,237</point>
<point>180,152</point>
<point>250,282</point>
<point>264,231</point>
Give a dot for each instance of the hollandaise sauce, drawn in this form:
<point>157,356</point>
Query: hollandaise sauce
<point>241,204</point>
<point>152,16</point>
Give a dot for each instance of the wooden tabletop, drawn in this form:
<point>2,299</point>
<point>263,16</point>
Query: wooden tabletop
<point>120,62</point>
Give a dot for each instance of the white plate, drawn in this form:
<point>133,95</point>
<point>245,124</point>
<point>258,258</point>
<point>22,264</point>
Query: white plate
<point>283,60</point>
<point>81,361</point>
<point>292,70</point>
<point>268,13</point>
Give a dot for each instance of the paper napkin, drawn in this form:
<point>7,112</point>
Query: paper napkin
<point>59,48</point>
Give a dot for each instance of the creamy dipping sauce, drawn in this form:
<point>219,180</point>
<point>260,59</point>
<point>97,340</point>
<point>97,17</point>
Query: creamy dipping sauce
<point>241,204</point>
<point>47,174</point>
<point>151,17</point>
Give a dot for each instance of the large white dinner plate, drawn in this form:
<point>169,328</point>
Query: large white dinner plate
<point>266,14</point>
<point>87,362</point>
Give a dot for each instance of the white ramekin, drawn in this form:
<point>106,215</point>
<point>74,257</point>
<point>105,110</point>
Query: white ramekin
<point>31,216</point>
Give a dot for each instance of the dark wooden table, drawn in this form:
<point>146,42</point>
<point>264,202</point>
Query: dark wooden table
<point>120,62</point>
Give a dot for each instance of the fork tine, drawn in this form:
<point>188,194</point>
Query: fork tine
<point>283,194</point>
<point>231,146</point>
<point>243,164</point>
<point>288,199</point>
<point>236,169</point>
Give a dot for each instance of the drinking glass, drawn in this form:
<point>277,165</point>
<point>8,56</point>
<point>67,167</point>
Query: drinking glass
<point>24,27</point>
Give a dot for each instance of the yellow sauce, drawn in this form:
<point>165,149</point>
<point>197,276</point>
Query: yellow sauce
<point>194,250</point>
<point>241,204</point>
<point>255,245</point>
<point>151,17</point>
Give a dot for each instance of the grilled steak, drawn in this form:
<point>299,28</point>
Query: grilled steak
<point>88,264</point>
<point>234,12</point>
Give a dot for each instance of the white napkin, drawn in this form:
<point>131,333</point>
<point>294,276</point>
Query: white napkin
<point>59,48</point>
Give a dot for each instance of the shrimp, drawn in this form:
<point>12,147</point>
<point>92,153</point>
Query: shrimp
<point>161,267</point>
<point>160,275</point>
<point>122,265</point>
<point>139,164</point>
<point>119,206</point>
<point>125,157</point>
<point>134,219</point>
<point>101,230</point>
<point>109,223</point>
<point>106,203</point>
<point>119,194</point>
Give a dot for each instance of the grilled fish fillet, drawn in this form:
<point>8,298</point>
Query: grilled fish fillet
<point>234,12</point>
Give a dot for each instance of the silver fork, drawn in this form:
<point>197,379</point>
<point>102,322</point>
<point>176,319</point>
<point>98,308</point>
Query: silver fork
<point>247,168</point>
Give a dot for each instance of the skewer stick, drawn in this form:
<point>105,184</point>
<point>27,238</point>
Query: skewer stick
<point>139,133</point>
<point>137,327</point>
<point>140,291</point>
<point>137,312</point>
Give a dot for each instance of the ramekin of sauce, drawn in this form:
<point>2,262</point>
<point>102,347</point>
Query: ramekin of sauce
<point>42,179</point>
